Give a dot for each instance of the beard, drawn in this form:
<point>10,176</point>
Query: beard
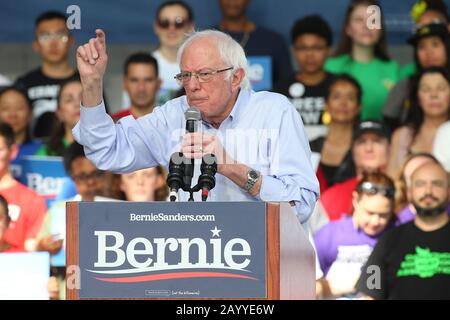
<point>424,212</point>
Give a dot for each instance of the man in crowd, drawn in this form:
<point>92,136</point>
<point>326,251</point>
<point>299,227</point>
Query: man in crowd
<point>53,43</point>
<point>370,150</point>
<point>141,82</point>
<point>256,40</point>
<point>412,260</point>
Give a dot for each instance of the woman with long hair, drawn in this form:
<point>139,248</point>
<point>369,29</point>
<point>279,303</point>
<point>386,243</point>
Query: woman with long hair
<point>342,105</point>
<point>430,108</point>
<point>15,110</point>
<point>362,53</point>
<point>67,114</point>
<point>431,49</point>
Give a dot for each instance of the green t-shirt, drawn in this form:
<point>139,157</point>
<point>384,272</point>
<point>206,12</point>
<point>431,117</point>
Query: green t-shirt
<point>408,70</point>
<point>376,79</point>
<point>43,150</point>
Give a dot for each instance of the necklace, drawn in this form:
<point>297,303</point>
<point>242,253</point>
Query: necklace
<point>245,36</point>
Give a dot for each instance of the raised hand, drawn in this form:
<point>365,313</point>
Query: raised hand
<point>91,61</point>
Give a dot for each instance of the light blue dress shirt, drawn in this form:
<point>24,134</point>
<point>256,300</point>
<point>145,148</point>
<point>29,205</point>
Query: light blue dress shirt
<point>263,131</point>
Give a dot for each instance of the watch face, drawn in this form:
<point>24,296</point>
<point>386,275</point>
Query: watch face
<point>253,174</point>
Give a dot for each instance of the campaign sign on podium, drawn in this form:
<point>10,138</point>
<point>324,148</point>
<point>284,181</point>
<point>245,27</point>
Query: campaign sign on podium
<point>172,250</point>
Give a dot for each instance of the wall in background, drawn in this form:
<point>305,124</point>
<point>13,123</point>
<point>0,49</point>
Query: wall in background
<point>131,21</point>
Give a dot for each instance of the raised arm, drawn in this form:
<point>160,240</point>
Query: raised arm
<point>91,61</point>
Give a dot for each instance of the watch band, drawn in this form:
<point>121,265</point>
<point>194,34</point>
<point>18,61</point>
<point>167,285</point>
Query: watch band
<point>252,178</point>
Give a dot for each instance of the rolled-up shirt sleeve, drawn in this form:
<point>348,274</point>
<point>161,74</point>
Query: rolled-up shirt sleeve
<point>124,146</point>
<point>291,177</point>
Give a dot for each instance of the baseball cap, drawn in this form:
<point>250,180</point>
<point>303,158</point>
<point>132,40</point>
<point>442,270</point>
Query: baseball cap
<point>432,29</point>
<point>372,126</point>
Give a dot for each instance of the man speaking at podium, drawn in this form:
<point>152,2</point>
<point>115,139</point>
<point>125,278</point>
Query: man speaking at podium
<point>257,137</point>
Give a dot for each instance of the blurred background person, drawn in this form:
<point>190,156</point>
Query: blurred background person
<point>4,220</point>
<point>412,258</point>
<point>342,105</point>
<point>430,109</point>
<point>424,12</point>
<point>256,40</point>
<point>343,246</point>
<point>370,153</point>
<point>68,114</point>
<point>141,82</point>
<point>440,146</point>
<point>431,49</point>
<point>145,185</point>
<point>405,211</point>
<point>306,88</point>
<point>89,185</point>
<point>26,208</point>
<point>174,21</point>
<point>362,53</point>
<point>15,110</point>
<point>52,43</point>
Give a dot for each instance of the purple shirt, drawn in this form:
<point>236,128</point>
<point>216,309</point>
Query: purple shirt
<point>406,214</point>
<point>338,235</point>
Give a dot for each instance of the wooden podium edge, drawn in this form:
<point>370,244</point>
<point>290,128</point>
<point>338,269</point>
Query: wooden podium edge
<point>72,250</point>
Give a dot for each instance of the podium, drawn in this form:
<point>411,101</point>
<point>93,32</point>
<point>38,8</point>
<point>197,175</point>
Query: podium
<point>187,250</point>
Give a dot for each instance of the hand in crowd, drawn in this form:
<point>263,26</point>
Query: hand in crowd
<point>48,244</point>
<point>53,288</point>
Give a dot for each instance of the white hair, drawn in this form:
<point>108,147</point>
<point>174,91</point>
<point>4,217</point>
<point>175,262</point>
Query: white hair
<point>230,51</point>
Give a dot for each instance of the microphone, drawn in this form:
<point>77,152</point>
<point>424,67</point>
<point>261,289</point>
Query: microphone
<point>176,174</point>
<point>208,169</point>
<point>192,115</point>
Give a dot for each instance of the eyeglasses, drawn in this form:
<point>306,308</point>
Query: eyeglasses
<point>48,36</point>
<point>202,75</point>
<point>317,48</point>
<point>372,189</point>
<point>85,177</point>
<point>179,23</point>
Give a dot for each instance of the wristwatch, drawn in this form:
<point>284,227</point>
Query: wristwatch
<point>252,178</point>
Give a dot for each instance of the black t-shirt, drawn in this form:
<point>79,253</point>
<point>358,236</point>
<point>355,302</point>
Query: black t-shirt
<point>308,100</point>
<point>413,264</point>
<point>43,92</point>
<point>265,42</point>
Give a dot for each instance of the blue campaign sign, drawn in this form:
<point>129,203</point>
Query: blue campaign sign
<point>172,250</point>
<point>260,72</point>
<point>45,175</point>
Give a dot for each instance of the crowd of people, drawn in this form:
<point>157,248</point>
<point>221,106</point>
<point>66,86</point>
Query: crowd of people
<point>379,130</point>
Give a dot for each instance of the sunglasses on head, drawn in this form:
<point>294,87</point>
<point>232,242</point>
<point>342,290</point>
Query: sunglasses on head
<point>372,189</point>
<point>179,23</point>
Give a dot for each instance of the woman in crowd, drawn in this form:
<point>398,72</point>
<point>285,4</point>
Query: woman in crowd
<point>431,49</point>
<point>430,108</point>
<point>342,105</point>
<point>15,110</point>
<point>362,53</point>
<point>67,114</point>
<point>144,185</point>
<point>424,12</point>
<point>174,20</point>
<point>343,246</point>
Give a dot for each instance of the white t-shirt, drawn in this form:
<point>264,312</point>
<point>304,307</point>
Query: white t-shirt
<point>440,147</point>
<point>167,72</point>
